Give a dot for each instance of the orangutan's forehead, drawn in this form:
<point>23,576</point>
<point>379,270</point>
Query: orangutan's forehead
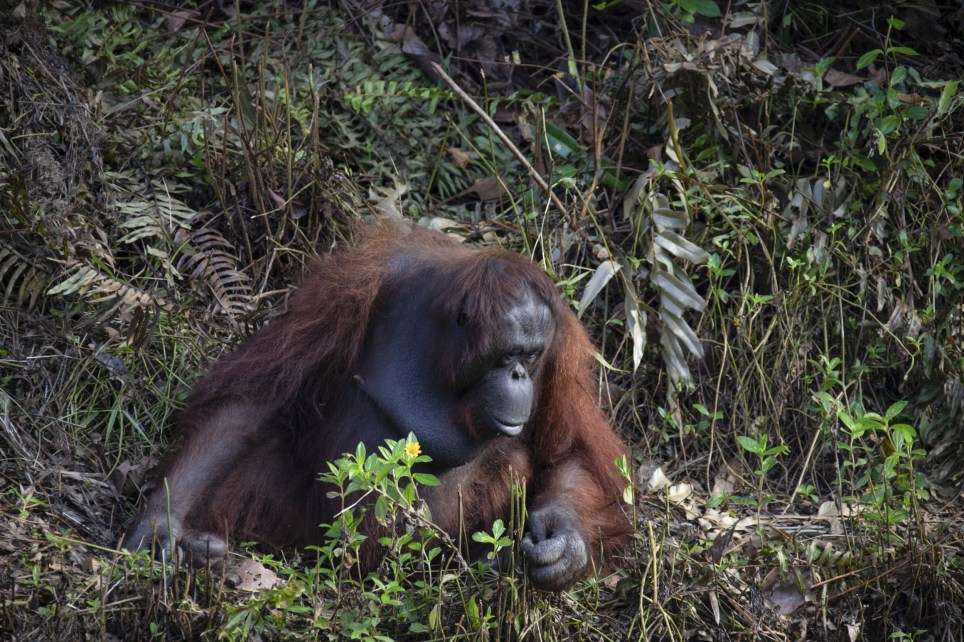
<point>528,315</point>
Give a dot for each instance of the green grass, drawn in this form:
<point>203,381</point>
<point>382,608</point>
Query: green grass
<point>791,198</point>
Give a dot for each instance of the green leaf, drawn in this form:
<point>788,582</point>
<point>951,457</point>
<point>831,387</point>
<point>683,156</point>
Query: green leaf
<point>881,142</point>
<point>849,422</point>
<point>561,142</point>
<point>889,124</point>
<point>628,494</point>
<point>900,73</point>
<point>472,610</point>
<point>918,112</point>
<point>748,443</point>
<point>868,58</point>
<point>947,95</point>
<point>706,8</point>
<point>426,479</point>
<point>904,433</point>
<point>895,409</point>
<point>381,508</point>
<point>864,163</point>
<point>906,51</point>
<point>822,66</point>
<point>825,400</point>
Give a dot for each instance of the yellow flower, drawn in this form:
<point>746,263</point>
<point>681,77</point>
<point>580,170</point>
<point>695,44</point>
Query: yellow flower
<point>412,449</point>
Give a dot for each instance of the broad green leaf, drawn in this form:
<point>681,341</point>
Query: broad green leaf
<point>900,73</point>
<point>904,435</point>
<point>848,421</point>
<point>868,58</point>
<point>561,142</point>
<point>889,124</point>
<point>895,409</point>
<point>748,443</point>
<point>825,400</point>
<point>426,479</point>
<point>706,8</point>
<point>472,610</point>
<point>947,95</point>
<point>905,51</point>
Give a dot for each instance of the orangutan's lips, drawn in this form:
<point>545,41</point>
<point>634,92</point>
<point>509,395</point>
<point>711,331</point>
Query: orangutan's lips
<point>510,429</point>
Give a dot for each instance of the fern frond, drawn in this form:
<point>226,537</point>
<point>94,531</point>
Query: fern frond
<point>93,285</point>
<point>209,257</point>
<point>151,213</point>
<point>21,281</point>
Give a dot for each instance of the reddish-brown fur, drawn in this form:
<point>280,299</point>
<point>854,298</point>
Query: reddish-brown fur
<point>269,407</point>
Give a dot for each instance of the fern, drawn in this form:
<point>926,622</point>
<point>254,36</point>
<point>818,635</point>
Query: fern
<point>208,256</point>
<point>151,214</point>
<point>367,92</point>
<point>93,285</point>
<point>21,281</point>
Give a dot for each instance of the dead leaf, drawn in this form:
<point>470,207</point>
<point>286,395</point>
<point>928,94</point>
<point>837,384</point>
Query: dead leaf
<point>764,65</point>
<point>829,512</point>
<point>879,75</point>
<point>909,99</point>
<point>252,576</point>
<point>176,19</point>
<point>600,252</point>
<point>278,200</point>
<point>600,277</point>
<point>449,227</point>
<point>853,632</point>
<point>836,78</point>
<point>611,581</point>
<point>650,475</point>
<point>459,157</point>
<point>413,47</point>
<point>677,493</point>
<point>724,483</point>
<point>387,201</point>
<point>123,475</point>
<point>720,544</point>
<point>715,606</point>
<point>782,594</point>
<point>487,189</point>
<point>714,520</point>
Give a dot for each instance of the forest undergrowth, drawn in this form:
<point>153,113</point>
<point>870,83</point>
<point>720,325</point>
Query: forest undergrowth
<point>754,207</point>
